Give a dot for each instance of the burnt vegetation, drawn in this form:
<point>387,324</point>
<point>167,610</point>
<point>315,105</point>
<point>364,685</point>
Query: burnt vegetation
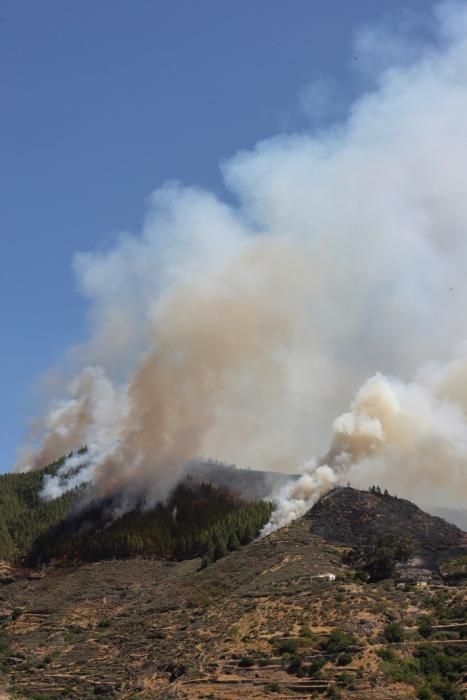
<point>354,518</point>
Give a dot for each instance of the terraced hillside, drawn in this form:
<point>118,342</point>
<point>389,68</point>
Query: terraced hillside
<point>261,622</point>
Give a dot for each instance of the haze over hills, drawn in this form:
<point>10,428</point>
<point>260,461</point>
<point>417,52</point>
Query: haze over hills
<point>35,528</point>
<point>457,516</point>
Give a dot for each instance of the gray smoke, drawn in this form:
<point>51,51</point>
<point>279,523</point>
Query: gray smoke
<point>241,332</point>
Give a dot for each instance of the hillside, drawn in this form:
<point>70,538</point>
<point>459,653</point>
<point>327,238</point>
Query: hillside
<point>198,519</point>
<point>260,622</point>
<point>24,516</point>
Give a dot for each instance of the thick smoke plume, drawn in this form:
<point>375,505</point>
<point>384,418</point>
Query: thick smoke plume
<point>299,495</point>
<point>241,332</point>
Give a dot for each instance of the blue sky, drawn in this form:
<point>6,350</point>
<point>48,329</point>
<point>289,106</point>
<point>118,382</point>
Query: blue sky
<point>101,102</point>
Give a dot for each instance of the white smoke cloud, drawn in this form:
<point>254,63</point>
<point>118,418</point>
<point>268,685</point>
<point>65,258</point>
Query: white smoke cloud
<point>407,437</point>
<point>241,332</point>
<point>298,496</point>
<point>89,416</point>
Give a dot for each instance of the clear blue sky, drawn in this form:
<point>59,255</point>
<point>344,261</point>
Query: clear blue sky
<point>101,101</point>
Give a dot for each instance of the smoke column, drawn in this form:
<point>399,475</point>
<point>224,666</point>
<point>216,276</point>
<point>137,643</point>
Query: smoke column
<point>409,437</point>
<point>241,332</point>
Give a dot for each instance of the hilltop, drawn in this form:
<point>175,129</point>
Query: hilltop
<point>350,516</point>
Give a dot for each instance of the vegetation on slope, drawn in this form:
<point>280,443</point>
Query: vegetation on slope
<point>24,515</point>
<point>199,519</point>
<point>354,517</point>
<point>378,558</point>
<point>254,623</point>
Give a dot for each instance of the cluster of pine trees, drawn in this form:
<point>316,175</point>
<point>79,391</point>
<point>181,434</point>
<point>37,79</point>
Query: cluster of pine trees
<point>236,529</point>
<point>376,491</point>
<point>24,516</point>
<point>199,519</point>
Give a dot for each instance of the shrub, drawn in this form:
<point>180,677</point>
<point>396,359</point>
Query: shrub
<point>264,661</point>
<point>378,559</point>
<point>361,576</point>
<point>424,628</point>
<point>402,671</point>
<point>386,654</point>
<point>272,688</point>
<point>246,662</point>
<point>16,613</point>
<point>347,681</point>
<point>288,646</point>
<point>393,632</point>
<point>316,665</point>
<point>445,689</point>
<point>447,663</point>
<point>338,642</point>
<point>344,659</point>
<point>295,665</point>
<point>424,693</point>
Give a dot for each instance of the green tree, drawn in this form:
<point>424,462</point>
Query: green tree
<point>338,642</point>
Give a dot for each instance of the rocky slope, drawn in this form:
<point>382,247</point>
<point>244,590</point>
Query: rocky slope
<point>350,517</point>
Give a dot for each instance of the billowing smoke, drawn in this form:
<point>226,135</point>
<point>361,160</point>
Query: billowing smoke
<point>409,437</point>
<point>241,331</point>
<point>91,415</point>
<point>299,495</point>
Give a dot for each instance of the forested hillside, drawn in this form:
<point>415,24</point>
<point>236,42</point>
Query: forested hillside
<point>199,519</point>
<point>23,515</point>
